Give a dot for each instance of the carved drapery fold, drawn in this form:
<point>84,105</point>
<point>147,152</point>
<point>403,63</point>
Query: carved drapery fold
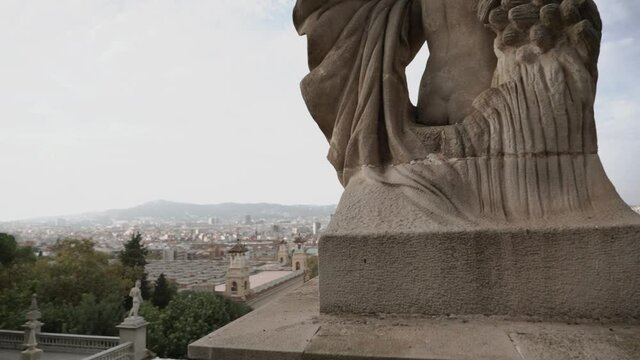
<point>357,90</point>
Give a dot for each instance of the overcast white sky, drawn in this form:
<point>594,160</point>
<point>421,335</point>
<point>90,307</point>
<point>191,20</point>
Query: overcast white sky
<point>112,103</point>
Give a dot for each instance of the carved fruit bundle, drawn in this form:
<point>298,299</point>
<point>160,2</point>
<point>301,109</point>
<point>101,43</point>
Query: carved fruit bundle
<point>543,23</point>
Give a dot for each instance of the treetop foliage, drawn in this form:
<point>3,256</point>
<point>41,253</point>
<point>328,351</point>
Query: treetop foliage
<point>188,317</point>
<point>163,292</point>
<point>134,253</point>
<point>10,251</point>
<point>78,289</point>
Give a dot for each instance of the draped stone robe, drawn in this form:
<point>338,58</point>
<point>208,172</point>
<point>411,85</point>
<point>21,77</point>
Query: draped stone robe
<point>526,154</point>
<point>357,90</point>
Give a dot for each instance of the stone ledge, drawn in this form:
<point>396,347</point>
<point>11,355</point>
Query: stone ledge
<point>133,322</point>
<point>292,328</point>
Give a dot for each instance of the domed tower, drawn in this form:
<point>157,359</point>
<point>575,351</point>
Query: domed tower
<point>238,285</point>
<point>299,258</point>
<point>284,258</point>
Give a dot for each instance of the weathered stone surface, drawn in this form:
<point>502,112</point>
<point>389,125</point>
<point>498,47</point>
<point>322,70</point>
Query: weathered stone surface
<point>568,273</point>
<point>278,331</point>
<point>273,332</point>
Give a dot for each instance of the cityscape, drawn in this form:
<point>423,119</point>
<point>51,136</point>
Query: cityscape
<point>248,253</point>
<point>189,248</point>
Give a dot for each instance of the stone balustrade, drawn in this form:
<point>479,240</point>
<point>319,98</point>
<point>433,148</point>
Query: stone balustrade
<point>70,343</point>
<point>120,352</point>
<point>10,339</point>
<point>130,345</point>
<point>76,343</point>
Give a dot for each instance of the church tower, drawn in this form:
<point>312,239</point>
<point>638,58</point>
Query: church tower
<point>299,258</point>
<point>284,258</point>
<point>238,285</point>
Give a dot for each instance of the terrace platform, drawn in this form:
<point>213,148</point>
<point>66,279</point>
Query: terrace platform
<point>291,327</point>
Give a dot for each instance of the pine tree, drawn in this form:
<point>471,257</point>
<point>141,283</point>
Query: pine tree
<point>8,248</point>
<point>133,257</point>
<point>134,253</point>
<point>163,292</point>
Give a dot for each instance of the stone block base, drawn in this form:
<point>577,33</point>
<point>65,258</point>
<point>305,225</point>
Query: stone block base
<point>567,273</point>
<point>292,328</point>
<point>35,354</point>
<point>134,329</point>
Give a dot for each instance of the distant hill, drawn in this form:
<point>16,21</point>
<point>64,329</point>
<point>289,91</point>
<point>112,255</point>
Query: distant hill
<point>168,210</point>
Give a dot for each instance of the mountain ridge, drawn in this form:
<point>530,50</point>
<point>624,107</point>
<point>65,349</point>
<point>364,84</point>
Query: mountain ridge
<point>173,210</point>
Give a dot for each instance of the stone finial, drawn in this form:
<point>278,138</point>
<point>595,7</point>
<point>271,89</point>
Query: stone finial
<point>33,313</point>
<point>299,241</point>
<point>238,248</point>
<point>32,327</point>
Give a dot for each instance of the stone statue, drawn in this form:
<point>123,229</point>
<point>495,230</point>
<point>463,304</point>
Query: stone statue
<point>503,133</point>
<point>136,296</point>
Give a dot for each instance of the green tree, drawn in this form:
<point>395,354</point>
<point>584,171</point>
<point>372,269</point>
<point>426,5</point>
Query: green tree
<point>16,267</point>
<point>134,253</point>
<point>312,265</point>
<point>77,269</point>
<point>80,291</point>
<point>188,317</point>
<point>163,292</point>
<point>11,252</point>
<point>155,330</point>
<point>91,315</point>
<point>8,247</point>
<point>235,309</point>
<point>133,258</point>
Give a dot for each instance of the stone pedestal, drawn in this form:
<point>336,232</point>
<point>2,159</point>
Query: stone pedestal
<point>134,329</point>
<point>31,354</point>
<point>556,273</point>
